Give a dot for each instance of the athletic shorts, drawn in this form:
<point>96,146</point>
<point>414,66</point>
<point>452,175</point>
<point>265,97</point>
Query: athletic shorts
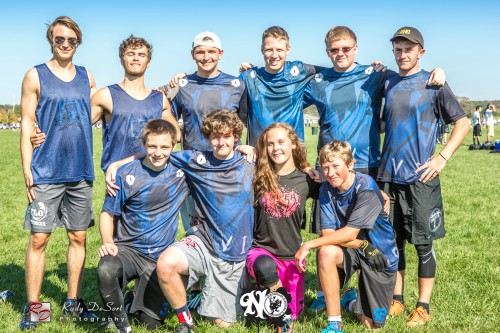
<point>291,278</point>
<point>224,280</point>
<point>375,289</point>
<point>417,211</point>
<point>67,205</point>
<point>149,297</point>
<point>491,130</point>
<point>477,130</point>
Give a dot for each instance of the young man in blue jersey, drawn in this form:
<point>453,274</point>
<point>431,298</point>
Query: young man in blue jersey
<point>138,225</point>
<point>59,174</point>
<point>410,166</point>
<point>356,235</point>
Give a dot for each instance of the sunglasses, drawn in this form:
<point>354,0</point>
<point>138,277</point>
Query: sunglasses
<point>72,41</point>
<point>345,49</point>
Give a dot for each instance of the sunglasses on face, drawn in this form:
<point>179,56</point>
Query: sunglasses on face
<point>72,41</point>
<point>345,49</point>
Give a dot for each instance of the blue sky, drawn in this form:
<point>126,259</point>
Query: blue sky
<point>461,37</point>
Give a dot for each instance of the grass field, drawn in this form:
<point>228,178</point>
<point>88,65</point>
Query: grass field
<point>466,297</point>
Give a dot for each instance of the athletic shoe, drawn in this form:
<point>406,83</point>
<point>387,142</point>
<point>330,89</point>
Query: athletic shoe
<point>128,299</point>
<point>4,295</point>
<point>194,299</point>
<point>184,328</point>
<point>396,308</point>
<point>125,330</point>
<point>318,305</point>
<point>287,325</point>
<point>26,323</point>
<point>349,295</point>
<point>333,327</point>
<point>418,317</point>
<point>77,306</point>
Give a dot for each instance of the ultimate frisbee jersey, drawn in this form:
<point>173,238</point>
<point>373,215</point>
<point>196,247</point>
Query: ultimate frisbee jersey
<point>411,113</point>
<point>360,207</point>
<point>197,97</point>
<point>63,114</point>
<point>146,207</point>
<point>276,98</point>
<point>349,107</point>
<point>223,196</point>
<point>122,136</point>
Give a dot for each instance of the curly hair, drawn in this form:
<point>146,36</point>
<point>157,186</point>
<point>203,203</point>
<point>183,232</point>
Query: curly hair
<point>222,121</point>
<point>265,179</point>
<point>133,43</point>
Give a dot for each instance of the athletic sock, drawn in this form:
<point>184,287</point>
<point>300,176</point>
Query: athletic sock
<point>399,298</point>
<point>320,294</point>
<point>425,306</point>
<point>184,315</point>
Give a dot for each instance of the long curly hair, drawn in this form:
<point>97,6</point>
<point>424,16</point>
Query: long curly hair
<point>266,179</point>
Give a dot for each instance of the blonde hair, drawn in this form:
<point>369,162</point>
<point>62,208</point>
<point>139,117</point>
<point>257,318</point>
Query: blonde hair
<point>336,149</point>
<point>277,33</point>
<point>338,33</point>
<point>68,23</point>
<point>159,127</point>
<point>222,121</point>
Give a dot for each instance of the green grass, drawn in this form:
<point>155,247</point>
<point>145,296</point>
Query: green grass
<point>466,297</point>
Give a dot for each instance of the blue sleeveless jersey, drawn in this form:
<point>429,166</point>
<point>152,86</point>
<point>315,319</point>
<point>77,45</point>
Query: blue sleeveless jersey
<point>360,207</point>
<point>146,207</point>
<point>197,97</point>
<point>63,114</point>
<point>223,195</point>
<point>411,113</point>
<point>122,136</point>
<point>349,107</point>
<point>276,98</point>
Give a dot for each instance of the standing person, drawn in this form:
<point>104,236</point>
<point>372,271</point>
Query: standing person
<point>356,236</point>
<point>489,121</point>
<point>410,167</point>
<point>137,225</point>
<point>281,190</point>
<point>58,175</point>
<point>476,122</point>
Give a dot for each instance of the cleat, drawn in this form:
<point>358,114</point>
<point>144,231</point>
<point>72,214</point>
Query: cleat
<point>318,305</point>
<point>333,327</point>
<point>418,318</point>
<point>396,308</point>
<point>348,296</point>
<point>287,326</point>
<point>184,328</point>
<point>4,295</point>
<point>77,306</point>
<point>26,323</point>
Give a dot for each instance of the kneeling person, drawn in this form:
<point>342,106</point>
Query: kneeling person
<point>145,212</point>
<point>356,235</point>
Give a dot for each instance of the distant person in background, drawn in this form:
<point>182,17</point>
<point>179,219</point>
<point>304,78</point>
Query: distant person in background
<point>489,121</point>
<point>476,123</point>
<point>59,174</point>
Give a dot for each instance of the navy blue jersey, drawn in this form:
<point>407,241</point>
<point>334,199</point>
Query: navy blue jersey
<point>223,195</point>
<point>349,107</point>
<point>146,207</point>
<point>411,113</point>
<point>197,97</point>
<point>276,98</point>
<point>63,114</point>
<point>122,136</point>
<point>360,207</point>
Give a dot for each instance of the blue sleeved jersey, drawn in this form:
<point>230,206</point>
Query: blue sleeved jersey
<point>146,207</point>
<point>349,107</point>
<point>223,195</point>
<point>276,98</point>
<point>411,113</point>
<point>197,97</point>
<point>360,207</point>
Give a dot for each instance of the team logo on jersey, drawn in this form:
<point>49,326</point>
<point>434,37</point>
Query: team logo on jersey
<point>252,74</point>
<point>294,70</point>
<point>201,159</point>
<point>183,82</point>
<point>369,70</point>
<point>130,179</point>
<point>318,77</point>
<point>435,220</point>
<point>179,173</point>
<point>235,83</point>
<point>38,212</point>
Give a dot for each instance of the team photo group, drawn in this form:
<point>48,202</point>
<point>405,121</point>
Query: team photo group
<point>241,198</point>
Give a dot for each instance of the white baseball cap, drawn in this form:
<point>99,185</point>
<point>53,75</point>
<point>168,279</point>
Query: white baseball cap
<point>215,40</point>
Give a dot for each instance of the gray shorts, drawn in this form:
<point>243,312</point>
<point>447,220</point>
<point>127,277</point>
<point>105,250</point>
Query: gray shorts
<point>224,280</point>
<point>375,288</point>
<point>67,205</point>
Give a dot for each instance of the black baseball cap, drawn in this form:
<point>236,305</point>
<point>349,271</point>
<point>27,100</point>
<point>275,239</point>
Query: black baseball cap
<point>410,33</point>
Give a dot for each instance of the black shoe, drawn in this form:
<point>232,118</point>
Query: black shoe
<point>184,328</point>
<point>77,306</point>
<point>26,323</point>
<point>128,299</point>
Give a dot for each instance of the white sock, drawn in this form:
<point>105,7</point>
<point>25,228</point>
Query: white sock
<point>335,318</point>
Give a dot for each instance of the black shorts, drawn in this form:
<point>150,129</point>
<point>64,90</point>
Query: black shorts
<point>416,211</point>
<point>477,130</point>
<point>149,297</point>
<point>375,288</point>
